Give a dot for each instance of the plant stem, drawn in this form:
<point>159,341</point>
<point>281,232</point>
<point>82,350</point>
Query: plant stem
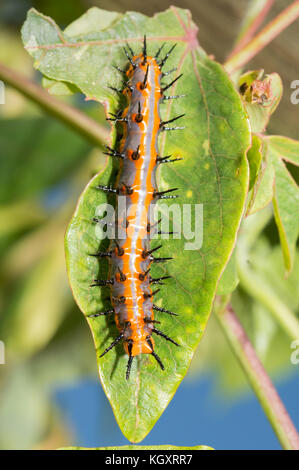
<point>71,116</point>
<point>273,29</point>
<point>255,15</point>
<point>259,379</point>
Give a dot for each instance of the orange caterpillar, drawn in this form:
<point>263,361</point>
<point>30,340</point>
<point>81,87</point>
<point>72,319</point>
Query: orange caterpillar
<point>131,258</point>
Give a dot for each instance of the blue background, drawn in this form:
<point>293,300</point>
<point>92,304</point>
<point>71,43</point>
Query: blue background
<point>198,414</point>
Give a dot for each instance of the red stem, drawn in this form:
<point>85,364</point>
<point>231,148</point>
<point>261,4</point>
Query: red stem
<point>259,379</point>
<point>256,23</point>
<point>268,33</point>
<point>80,122</point>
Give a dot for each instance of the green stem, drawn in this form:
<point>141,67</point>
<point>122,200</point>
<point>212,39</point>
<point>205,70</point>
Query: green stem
<point>273,29</point>
<point>258,379</point>
<point>71,116</point>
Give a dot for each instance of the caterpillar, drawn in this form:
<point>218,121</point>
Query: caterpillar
<point>130,258</point>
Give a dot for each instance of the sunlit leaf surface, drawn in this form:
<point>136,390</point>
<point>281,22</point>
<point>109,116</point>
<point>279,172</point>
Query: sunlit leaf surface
<point>214,173</point>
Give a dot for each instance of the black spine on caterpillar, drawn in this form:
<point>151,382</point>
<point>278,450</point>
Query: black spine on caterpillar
<point>131,257</point>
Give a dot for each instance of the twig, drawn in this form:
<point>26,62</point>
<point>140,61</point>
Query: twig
<point>254,17</point>
<point>259,379</point>
<point>273,29</point>
<point>71,116</point>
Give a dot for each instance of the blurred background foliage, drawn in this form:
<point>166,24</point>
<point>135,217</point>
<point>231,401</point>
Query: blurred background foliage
<point>43,168</point>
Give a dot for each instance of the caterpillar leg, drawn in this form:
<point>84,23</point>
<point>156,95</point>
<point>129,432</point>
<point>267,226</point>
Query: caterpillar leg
<point>154,354</point>
<point>160,333</point>
<point>114,343</point>
<point>130,360</point>
<point>107,312</point>
<point>161,309</point>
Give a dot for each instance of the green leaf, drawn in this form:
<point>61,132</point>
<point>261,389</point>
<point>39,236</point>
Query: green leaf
<point>39,306</point>
<point>19,216</point>
<point>258,285</point>
<point>286,193</point>
<point>286,148</point>
<point>93,20</point>
<point>286,210</point>
<point>270,341</point>
<point>31,411</point>
<point>254,157</point>
<point>272,271</point>
<point>229,279</point>
<point>261,193</point>
<point>59,88</point>
<point>31,158</point>
<point>261,183</point>
<point>259,113</point>
<point>131,447</point>
<point>214,173</point>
